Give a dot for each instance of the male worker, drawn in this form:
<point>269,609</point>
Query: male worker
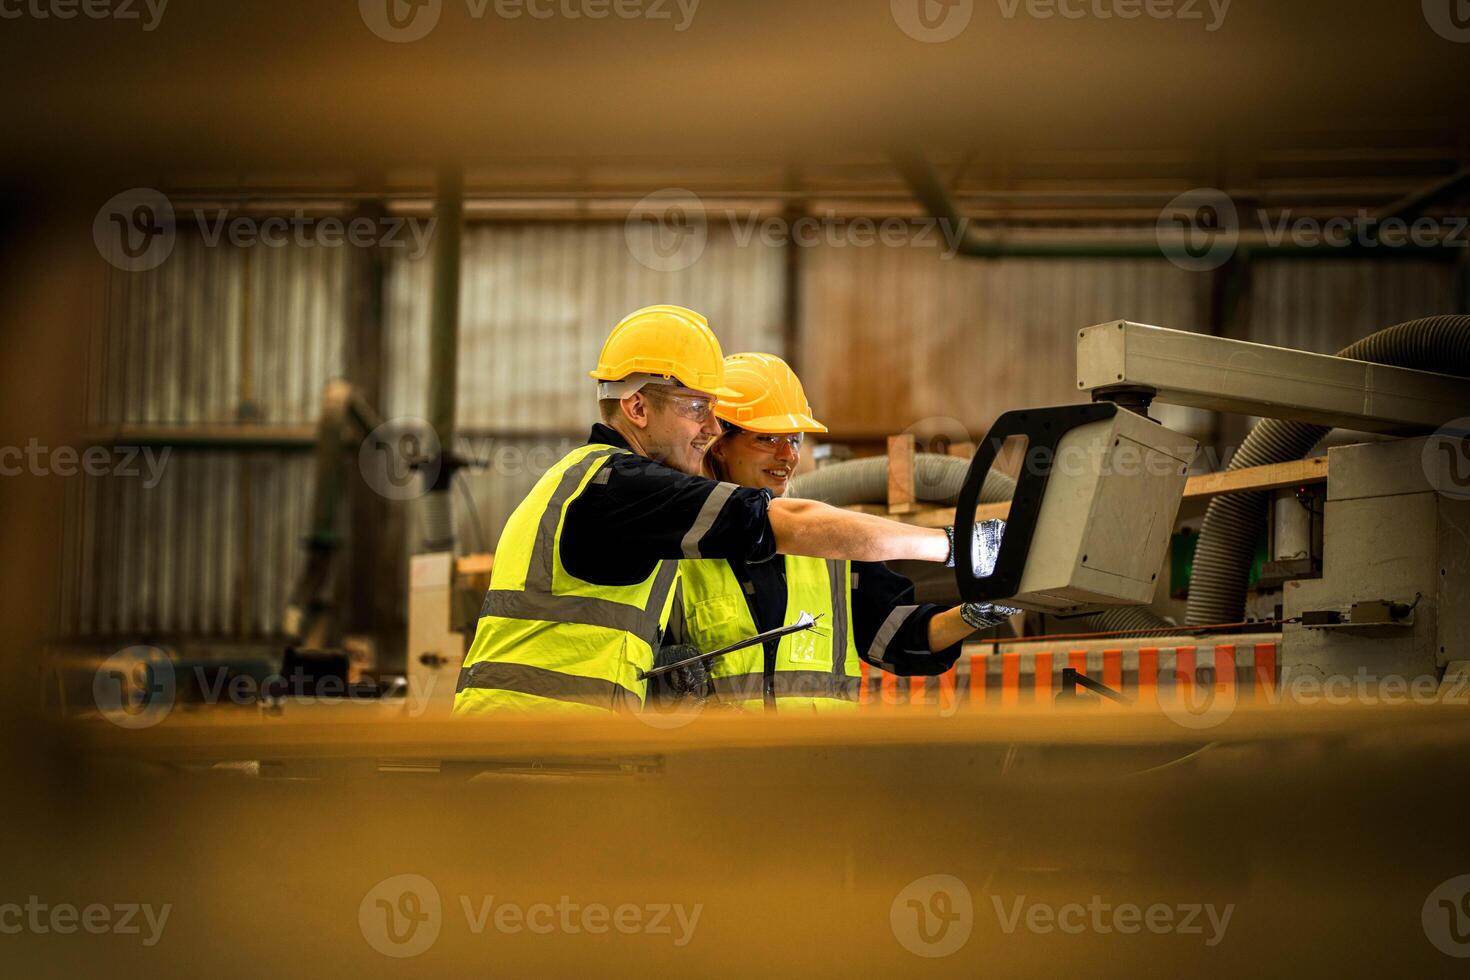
<point>585,570</point>
<point>867,610</point>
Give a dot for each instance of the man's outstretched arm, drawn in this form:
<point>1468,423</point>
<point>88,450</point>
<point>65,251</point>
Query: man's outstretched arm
<point>818,530</point>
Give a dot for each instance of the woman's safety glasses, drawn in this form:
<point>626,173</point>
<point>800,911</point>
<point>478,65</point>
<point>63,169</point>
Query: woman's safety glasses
<point>772,444</point>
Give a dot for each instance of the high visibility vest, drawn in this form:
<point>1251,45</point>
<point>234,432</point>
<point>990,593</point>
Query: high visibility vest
<point>547,639</point>
<point>816,669</point>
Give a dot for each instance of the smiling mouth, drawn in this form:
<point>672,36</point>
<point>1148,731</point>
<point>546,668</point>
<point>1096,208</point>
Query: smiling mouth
<point>781,475</point>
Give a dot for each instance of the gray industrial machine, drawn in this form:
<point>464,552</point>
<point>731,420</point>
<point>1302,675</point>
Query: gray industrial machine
<point>1374,574</point>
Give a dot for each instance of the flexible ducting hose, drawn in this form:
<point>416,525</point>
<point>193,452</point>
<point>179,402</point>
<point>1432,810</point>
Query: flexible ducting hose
<point>937,479</point>
<point>438,516</point>
<point>1233,522</point>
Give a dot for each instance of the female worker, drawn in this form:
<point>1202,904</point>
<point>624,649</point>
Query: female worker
<point>865,610</point>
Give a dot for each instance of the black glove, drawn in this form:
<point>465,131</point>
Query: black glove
<point>689,684</point>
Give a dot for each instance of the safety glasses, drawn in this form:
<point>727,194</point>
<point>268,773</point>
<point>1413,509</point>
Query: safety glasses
<point>772,444</point>
<point>695,408</point>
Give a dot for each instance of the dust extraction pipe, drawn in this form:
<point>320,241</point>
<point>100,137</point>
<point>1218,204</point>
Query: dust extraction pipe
<point>1233,522</point>
<point>937,479</point>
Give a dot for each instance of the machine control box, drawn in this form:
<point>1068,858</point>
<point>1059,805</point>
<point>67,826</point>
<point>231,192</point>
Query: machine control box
<point>1095,504</point>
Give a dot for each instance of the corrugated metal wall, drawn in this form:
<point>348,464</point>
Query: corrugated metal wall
<point>214,334</point>
<point>1323,305</point>
<point>214,547</point>
<point>888,337</point>
<point>536,302</point>
<point>897,335</point>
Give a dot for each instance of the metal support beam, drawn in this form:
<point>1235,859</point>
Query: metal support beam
<point>371,569</point>
<point>444,356</point>
<point>1225,375</point>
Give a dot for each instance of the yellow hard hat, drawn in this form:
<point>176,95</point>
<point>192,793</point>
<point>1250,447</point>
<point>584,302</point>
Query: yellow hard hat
<point>768,396</point>
<point>667,341</point>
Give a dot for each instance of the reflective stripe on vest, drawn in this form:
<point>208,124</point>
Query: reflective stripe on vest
<point>715,613</point>
<point>521,629</point>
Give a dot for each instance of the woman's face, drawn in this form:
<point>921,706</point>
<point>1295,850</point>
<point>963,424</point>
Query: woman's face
<point>758,460</point>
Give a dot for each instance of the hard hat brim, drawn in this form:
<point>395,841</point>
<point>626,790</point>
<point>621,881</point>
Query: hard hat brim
<point>773,425</point>
<point>720,392</point>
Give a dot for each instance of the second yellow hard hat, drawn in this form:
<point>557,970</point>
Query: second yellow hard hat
<point>768,396</point>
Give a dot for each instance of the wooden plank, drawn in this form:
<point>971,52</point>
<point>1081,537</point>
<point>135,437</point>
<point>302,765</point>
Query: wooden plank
<point>1277,476</point>
<point>479,563</point>
<point>901,495</point>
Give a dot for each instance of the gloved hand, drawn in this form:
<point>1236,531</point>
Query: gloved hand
<point>687,685</point>
<point>983,615</point>
<point>984,546</point>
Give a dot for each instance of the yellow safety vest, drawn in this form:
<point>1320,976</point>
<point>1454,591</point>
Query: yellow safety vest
<point>807,676</point>
<point>547,639</point>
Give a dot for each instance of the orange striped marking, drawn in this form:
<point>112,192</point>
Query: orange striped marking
<point>1113,669</point>
<point>948,696</point>
<point>1265,673</point>
<point>1184,671</point>
<point>977,679</point>
<point>1148,675</point>
<point>890,690</point>
<point>1042,669</point>
<point>1224,668</point>
<point>1010,679</point>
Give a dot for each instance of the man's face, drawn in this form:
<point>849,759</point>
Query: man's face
<point>678,426</point>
